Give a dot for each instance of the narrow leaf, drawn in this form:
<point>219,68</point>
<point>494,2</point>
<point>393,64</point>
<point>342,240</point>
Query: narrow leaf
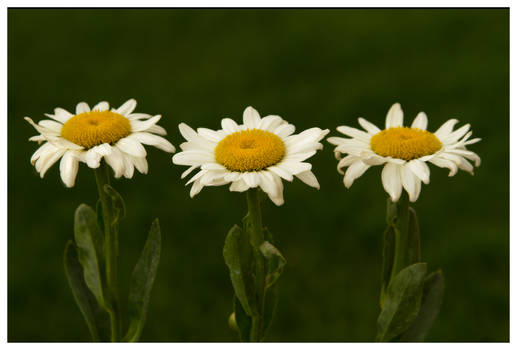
<point>275,262</point>
<point>431,302</point>
<point>89,243</point>
<point>237,253</point>
<point>95,317</point>
<point>142,281</point>
<point>118,206</point>
<point>243,320</point>
<point>413,238</point>
<point>388,253</point>
<point>402,303</point>
<point>270,304</point>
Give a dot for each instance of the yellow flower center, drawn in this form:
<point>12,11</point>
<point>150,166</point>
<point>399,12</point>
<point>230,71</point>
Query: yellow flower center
<point>404,143</point>
<point>249,150</point>
<point>90,129</point>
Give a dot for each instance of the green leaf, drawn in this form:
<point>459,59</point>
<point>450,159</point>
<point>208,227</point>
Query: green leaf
<point>142,281</point>
<point>413,238</point>
<point>275,263</point>
<point>243,320</point>
<point>270,304</point>
<point>118,206</point>
<point>95,317</point>
<point>402,303</point>
<point>388,253</point>
<point>89,244</point>
<point>431,302</point>
<point>238,255</point>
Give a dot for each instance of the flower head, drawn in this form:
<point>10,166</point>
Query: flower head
<point>258,153</point>
<point>89,135</point>
<point>404,150</point>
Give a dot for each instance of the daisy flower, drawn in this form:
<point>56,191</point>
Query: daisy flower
<point>404,151</point>
<point>258,153</point>
<point>90,135</point>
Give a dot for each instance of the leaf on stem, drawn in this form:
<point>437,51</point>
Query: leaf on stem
<point>275,262</point>
<point>431,302</point>
<point>270,304</point>
<point>118,206</point>
<point>95,317</point>
<point>243,321</point>
<point>238,255</point>
<point>388,254</point>
<point>402,302</point>
<point>89,244</point>
<point>142,281</point>
<point>413,238</point>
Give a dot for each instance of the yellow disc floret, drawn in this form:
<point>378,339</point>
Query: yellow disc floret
<point>249,150</point>
<point>404,143</point>
<point>90,129</point>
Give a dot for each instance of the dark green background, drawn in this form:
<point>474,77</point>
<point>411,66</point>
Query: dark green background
<point>312,67</point>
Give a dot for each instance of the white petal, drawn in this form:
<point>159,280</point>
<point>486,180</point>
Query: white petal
<point>61,115</point>
<point>281,172</point>
<point>239,186</point>
<point>153,140</point>
<point>371,128</point>
<point>278,199</point>
<point>188,171</point>
<point>294,167</point>
<point>137,125</point>
<point>391,181</point>
<point>445,163</point>
<point>156,129</point>
<point>420,169</point>
<point>128,107</point>
<point>251,179</point>
<point>445,129</point>
<point>420,121</point>
<point>267,182</point>
<point>251,118</point>
<point>355,133</point>
<point>101,106</point>
<point>192,158</point>
<point>229,126</point>
<point>353,172</point>
<point>270,122</point>
<point>284,130</point>
<point>131,146</point>
<point>409,181</point>
<point>116,161</point>
<point>395,117</point>
<point>68,168</point>
<point>187,132</point>
<point>140,164</point>
<point>196,188</point>
<point>211,135</point>
<point>82,107</point>
<point>92,158</point>
<point>44,163</point>
<point>309,178</point>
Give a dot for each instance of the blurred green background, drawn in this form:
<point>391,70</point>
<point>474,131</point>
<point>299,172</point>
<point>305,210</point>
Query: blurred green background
<point>312,67</point>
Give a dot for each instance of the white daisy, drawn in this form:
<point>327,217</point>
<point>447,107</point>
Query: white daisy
<point>88,136</point>
<point>259,153</point>
<point>404,151</point>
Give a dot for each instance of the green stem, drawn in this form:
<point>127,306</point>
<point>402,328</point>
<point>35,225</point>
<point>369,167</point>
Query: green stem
<point>256,239</point>
<point>102,177</point>
<point>401,235</point>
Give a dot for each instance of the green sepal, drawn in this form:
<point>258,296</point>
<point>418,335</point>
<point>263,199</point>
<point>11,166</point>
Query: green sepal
<point>142,281</point>
<point>242,320</point>
<point>96,319</point>
<point>275,263</point>
<point>238,256</point>
<point>413,250</point>
<point>89,245</point>
<point>402,302</point>
<point>432,298</point>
